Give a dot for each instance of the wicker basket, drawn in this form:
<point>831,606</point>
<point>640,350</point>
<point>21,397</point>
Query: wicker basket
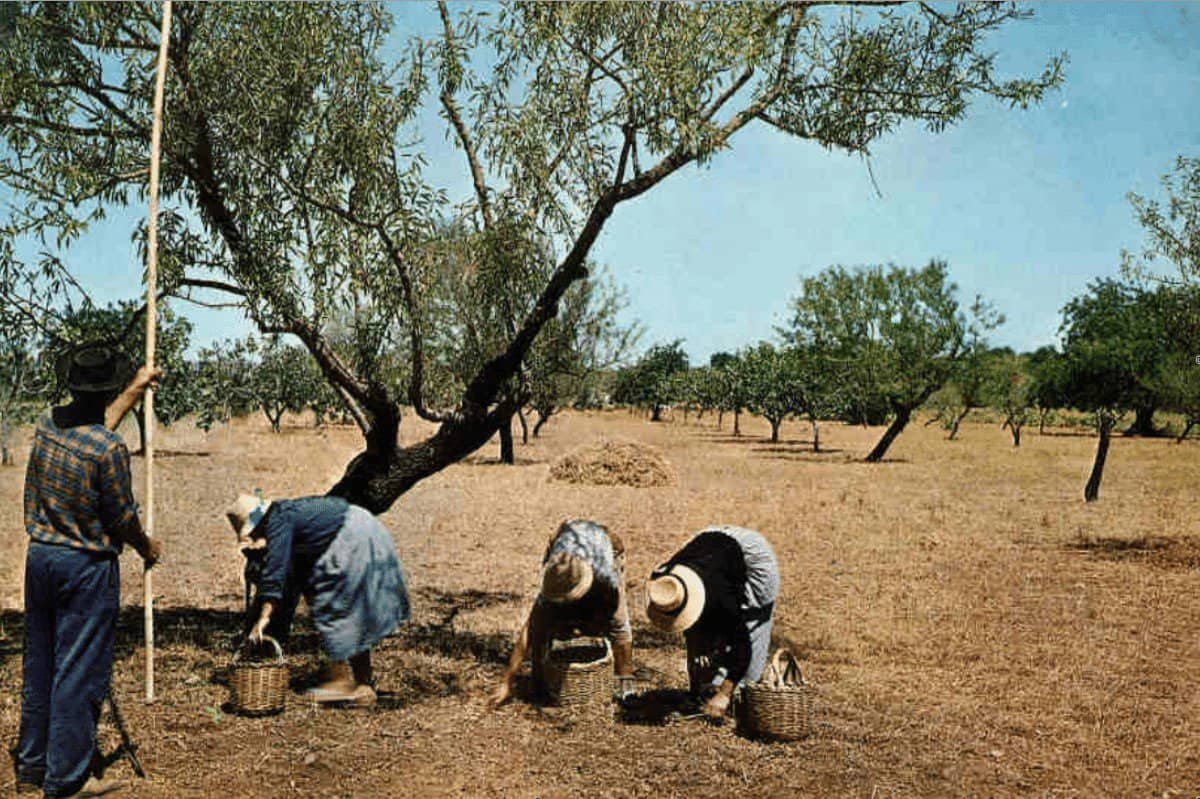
<point>780,706</point>
<point>259,683</point>
<point>578,672</point>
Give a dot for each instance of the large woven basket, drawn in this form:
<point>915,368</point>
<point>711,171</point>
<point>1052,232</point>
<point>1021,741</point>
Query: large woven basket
<point>578,673</point>
<point>259,678</point>
<point>779,707</point>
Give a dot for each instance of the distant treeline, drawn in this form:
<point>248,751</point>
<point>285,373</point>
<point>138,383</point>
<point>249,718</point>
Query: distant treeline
<point>873,345</point>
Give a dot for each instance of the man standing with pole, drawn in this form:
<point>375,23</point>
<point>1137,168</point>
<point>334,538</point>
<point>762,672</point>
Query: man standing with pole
<point>79,511</point>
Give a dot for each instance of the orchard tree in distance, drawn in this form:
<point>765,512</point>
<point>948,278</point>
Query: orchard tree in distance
<point>772,384</point>
<point>896,332</point>
<point>293,173</point>
<point>648,383</point>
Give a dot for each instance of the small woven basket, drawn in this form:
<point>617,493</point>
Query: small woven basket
<point>260,684</point>
<point>779,707</point>
<point>578,672</point>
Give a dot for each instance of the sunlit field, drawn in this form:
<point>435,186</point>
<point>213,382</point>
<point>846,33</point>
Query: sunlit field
<point>975,628</point>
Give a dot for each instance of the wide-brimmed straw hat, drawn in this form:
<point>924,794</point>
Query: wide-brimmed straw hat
<point>674,598</point>
<point>245,513</point>
<point>566,578</point>
<point>93,368</point>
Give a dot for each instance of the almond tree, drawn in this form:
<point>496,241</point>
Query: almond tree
<point>896,333</point>
<point>1010,388</point>
<point>293,177</point>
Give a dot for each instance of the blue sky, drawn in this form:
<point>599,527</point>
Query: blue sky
<point>1027,207</point>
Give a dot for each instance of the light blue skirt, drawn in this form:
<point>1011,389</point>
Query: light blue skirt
<point>357,593</point>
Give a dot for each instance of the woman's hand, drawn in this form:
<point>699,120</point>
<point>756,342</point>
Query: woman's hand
<point>259,631</point>
<point>501,695</point>
<point>718,704</point>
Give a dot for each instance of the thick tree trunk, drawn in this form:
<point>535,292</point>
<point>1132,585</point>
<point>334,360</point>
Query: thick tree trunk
<point>775,429</point>
<point>524,427</point>
<point>1091,492</point>
<point>507,455</point>
<point>274,418</point>
<point>957,421</point>
<point>377,477</point>
<point>737,418</point>
<point>1143,423</point>
<point>656,413</point>
<point>1186,429</point>
<point>816,435</point>
<point>1042,412</point>
<point>898,424</point>
<point>720,418</point>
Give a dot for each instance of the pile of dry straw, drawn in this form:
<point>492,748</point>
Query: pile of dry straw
<point>614,462</point>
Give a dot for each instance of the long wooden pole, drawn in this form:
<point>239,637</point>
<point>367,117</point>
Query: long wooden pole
<point>152,331</point>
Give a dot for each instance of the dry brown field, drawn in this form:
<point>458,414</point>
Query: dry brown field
<point>975,629</point>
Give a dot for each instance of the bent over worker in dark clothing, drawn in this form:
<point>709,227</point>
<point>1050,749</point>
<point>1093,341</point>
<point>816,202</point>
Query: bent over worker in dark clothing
<point>343,561</point>
<point>719,590</point>
<point>79,511</point>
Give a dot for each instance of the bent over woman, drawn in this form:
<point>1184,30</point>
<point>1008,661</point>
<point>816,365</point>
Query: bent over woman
<point>719,591</point>
<point>342,560</point>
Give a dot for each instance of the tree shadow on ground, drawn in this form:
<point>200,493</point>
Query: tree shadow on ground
<point>172,453</point>
<point>481,460</point>
<point>658,707</point>
<point>731,439</point>
<point>440,636</point>
<point>1157,550</point>
<point>203,628</point>
<point>650,637</point>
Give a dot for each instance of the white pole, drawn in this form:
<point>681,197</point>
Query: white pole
<point>151,332</point>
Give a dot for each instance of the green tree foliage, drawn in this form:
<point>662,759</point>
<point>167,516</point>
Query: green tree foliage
<point>1047,369</point>
<point>648,383</point>
<point>1172,228</point>
<point>26,379</point>
<point>1114,340</point>
<point>728,388</point>
<point>122,326</point>
<point>222,376</point>
<point>772,383</point>
<point>292,170</point>
<point>585,340</point>
<point>1177,382</point>
<point>1010,386</point>
<point>974,366</point>
<point>285,380</point>
<point>896,334</point>
<point>1134,321</point>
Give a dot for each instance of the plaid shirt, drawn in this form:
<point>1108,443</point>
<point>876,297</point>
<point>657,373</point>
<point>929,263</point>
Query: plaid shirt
<point>78,489</point>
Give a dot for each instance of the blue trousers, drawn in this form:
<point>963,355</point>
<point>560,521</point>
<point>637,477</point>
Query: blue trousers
<point>71,602</point>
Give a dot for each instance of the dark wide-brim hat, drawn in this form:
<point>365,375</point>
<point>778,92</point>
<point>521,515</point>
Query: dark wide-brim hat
<point>93,368</point>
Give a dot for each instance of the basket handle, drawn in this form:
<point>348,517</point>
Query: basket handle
<point>266,638</point>
<point>784,669</point>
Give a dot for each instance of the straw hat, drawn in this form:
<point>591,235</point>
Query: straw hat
<point>565,578</point>
<point>244,515</point>
<point>675,598</point>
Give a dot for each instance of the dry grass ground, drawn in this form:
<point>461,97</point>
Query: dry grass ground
<point>975,628</point>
